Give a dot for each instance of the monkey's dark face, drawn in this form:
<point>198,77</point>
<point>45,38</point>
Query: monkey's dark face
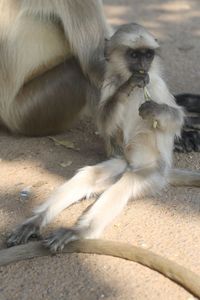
<point>139,59</point>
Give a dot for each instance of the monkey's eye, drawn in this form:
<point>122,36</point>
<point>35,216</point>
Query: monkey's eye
<point>132,53</point>
<point>150,53</point>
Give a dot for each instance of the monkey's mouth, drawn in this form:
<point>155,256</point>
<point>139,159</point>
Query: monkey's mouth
<point>139,70</point>
<point>142,76</point>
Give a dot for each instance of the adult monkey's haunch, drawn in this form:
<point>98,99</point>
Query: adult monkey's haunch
<point>50,62</point>
<point>138,133</point>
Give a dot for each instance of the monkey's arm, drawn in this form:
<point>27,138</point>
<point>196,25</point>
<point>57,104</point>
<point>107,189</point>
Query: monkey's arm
<point>162,107</point>
<point>169,118</point>
<point>111,107</point>
<point>110,111</point>
<point>108,119</point>
<point>85,28</point>
<point>190,136</point>
<point>86,34</point>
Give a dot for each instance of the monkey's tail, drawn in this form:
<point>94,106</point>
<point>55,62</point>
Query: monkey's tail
<point>188,279</point>
<point>181,177</point>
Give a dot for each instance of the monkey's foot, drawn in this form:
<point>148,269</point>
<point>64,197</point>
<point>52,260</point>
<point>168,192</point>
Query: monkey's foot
<point>59,239</point>
<point>22,234</point>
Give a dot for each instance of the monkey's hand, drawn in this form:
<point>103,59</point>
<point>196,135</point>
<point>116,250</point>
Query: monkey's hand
<point>139,79</point>
<point>23,233</point>
<point>136,80</point>
<point>154,113</point>
<point>59,239</point>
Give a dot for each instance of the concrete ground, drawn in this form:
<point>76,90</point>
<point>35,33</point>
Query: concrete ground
<point>168,224</point>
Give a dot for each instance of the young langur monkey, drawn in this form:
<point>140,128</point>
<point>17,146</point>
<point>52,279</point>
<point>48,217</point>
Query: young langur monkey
<point>139,133</point>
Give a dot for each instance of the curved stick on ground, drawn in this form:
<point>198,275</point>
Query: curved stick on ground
<point>186,278</point>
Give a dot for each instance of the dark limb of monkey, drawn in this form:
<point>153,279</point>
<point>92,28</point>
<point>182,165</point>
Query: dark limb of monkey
<point>190,137</point>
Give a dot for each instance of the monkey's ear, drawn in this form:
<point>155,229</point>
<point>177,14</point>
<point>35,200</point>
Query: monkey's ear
<point>106,48</point>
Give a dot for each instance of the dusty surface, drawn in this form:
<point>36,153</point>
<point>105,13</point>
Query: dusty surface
<point>168,224</point>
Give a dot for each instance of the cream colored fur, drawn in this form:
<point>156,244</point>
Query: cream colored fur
<point>37,35</point>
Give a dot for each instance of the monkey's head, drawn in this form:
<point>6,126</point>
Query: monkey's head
<point>131,49</point>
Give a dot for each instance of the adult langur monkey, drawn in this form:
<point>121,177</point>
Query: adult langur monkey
<point>50,62</point>
<point>51,66</point>
<point>138,133</point>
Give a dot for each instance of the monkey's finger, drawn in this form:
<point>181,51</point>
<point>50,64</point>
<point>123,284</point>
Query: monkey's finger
<point>143,79</point>
<point>57,241</point>
<point>146,79</point>
<point>137,79</point>
<point>22,234</point>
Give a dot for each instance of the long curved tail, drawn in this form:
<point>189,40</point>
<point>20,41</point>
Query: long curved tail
<point>181,177</point>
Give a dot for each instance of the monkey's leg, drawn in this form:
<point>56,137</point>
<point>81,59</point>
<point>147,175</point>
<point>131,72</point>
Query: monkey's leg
<point>88,181</point>
<point>49,103</point>
<point>106,208</point>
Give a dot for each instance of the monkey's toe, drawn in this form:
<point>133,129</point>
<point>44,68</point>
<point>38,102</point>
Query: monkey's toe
<point>58,240</point>
<point>22,234</point>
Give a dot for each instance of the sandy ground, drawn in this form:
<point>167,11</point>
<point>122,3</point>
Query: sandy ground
<point>168,224</point>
